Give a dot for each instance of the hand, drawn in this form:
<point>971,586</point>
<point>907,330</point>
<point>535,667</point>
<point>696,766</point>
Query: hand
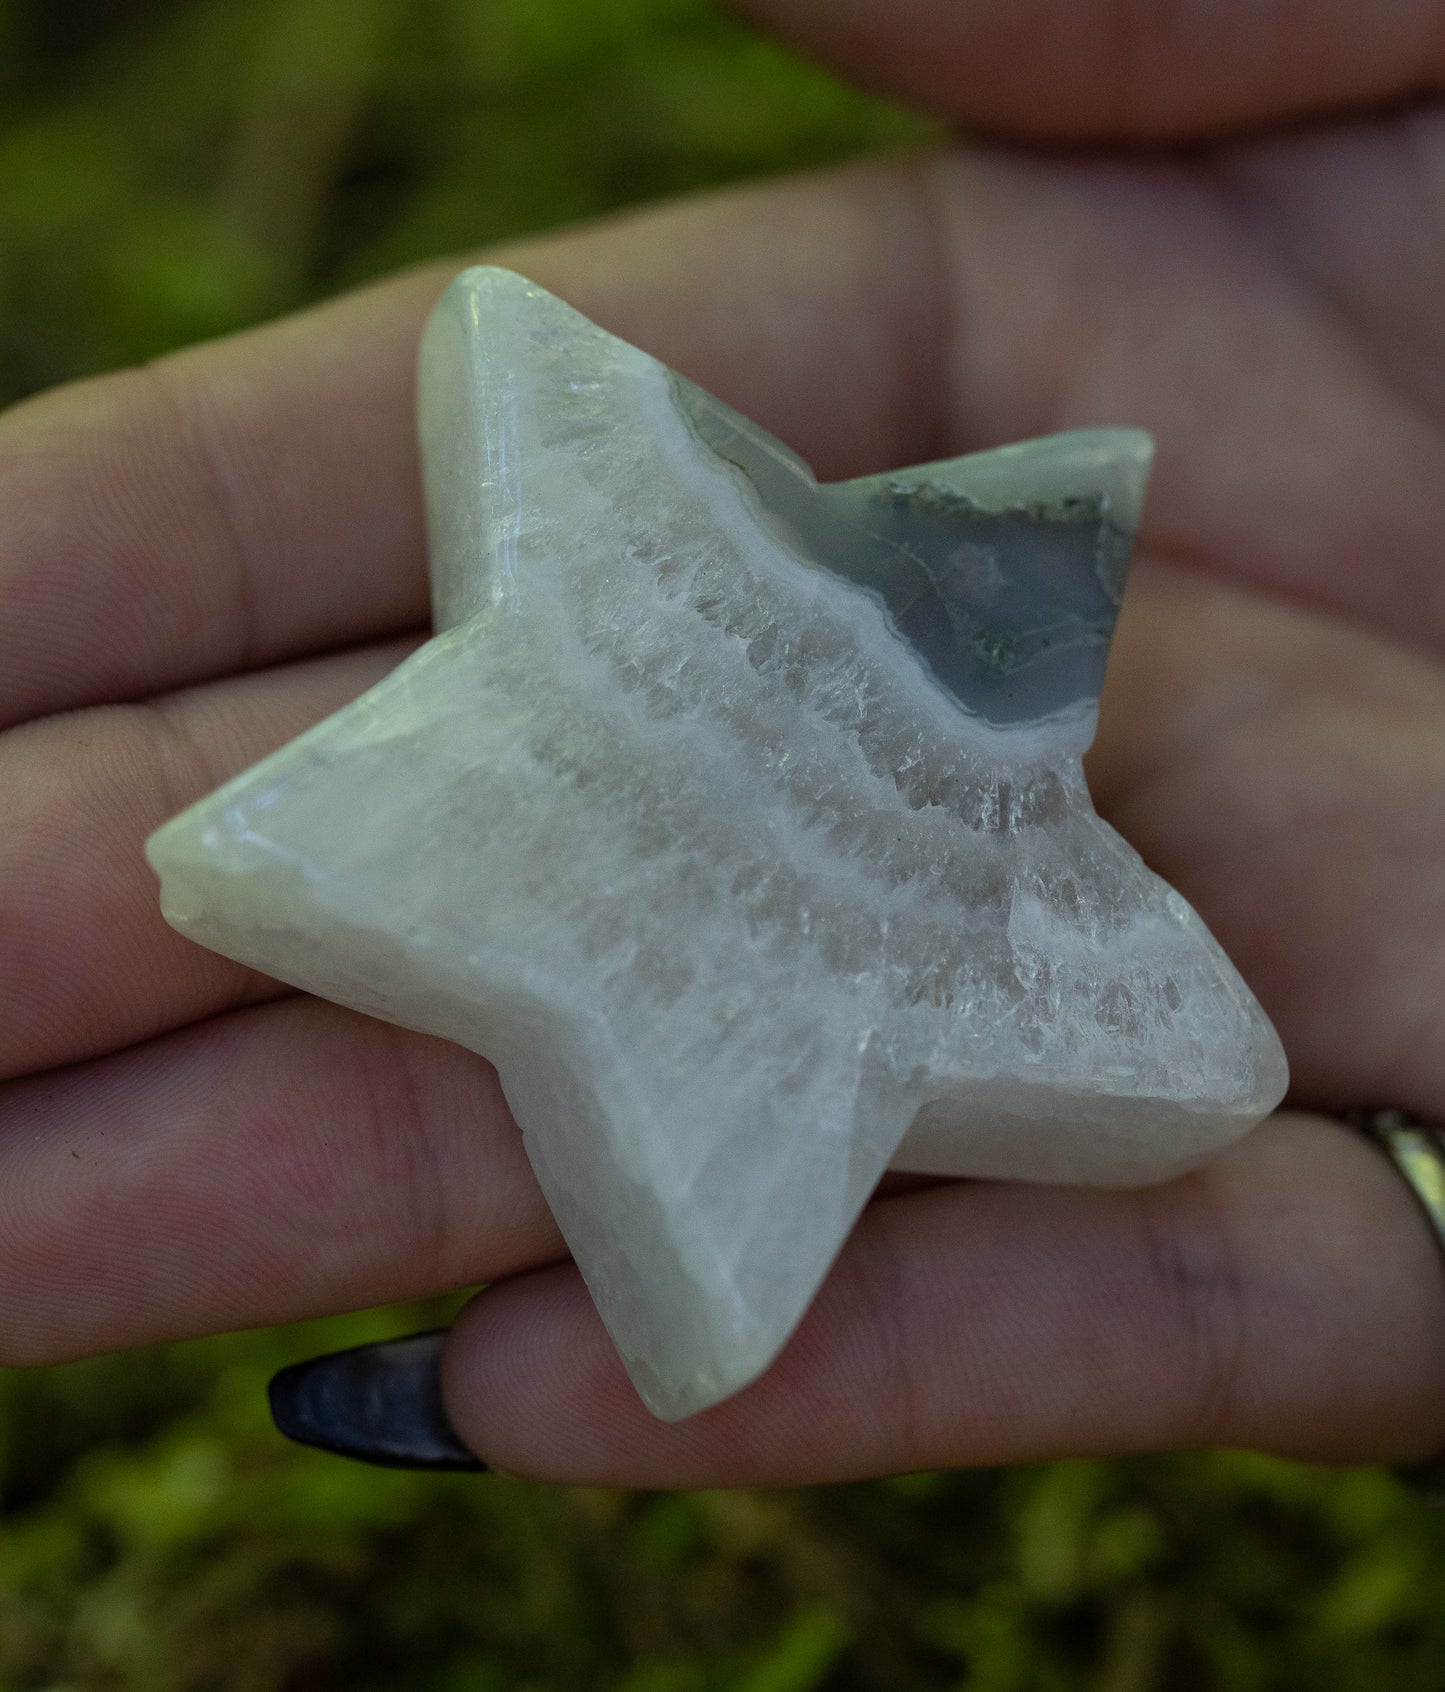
<point>200,558</point>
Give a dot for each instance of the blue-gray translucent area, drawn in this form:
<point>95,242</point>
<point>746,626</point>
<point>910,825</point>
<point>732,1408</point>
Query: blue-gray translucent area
<point>1002,570</point>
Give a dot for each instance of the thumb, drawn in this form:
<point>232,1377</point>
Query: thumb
<point>1289,1296</point>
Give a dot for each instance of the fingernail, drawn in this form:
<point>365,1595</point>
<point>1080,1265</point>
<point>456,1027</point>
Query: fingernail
<point>378,1403</point>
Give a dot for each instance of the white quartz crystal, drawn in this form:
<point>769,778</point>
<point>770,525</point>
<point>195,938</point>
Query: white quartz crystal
<point>745,902</point>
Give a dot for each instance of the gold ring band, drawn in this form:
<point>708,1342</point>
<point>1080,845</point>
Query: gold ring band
<point>1417,1149</point>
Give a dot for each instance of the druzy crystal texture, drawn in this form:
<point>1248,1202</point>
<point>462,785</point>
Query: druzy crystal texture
<point>740,822</point>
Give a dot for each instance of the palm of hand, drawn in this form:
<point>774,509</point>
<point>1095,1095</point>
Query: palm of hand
<point>234,537</point>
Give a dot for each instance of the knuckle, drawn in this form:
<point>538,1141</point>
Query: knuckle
<point>1194,1266</point>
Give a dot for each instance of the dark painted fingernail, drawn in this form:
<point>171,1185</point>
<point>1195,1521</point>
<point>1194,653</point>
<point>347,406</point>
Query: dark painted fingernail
<point>377,1403</point>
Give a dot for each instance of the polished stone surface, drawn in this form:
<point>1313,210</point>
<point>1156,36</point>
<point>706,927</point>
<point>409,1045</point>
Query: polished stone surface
<point>741,823</point>
<point>1003,571</point>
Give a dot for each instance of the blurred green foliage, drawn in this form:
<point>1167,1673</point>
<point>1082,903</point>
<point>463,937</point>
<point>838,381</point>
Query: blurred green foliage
<point>157,1536</point>
<point>170,171</point>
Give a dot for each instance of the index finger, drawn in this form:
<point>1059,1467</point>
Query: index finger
<point>258,499</point>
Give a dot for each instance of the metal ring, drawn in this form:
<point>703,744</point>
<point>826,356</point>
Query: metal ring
<point>1417,1149</point>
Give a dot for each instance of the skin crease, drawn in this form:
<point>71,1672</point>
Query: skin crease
<point>200,558</point>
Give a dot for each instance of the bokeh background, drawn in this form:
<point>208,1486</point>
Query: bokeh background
<point>172,169</point>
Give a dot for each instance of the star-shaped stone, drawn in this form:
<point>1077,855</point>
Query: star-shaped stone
<point>740,821</point>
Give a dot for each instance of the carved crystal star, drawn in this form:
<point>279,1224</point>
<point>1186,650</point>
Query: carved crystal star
<point>740,821</point>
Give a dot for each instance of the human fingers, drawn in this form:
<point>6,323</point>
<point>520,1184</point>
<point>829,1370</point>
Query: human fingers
<point>1289,1297</point>
<point>86,962</point>
<point>258,498</point>
<point>183,1138</point>
<point>1252,445</point>
<point>1290,457</point>
<point>1357,216</point>
<point>1282,769</point>
<point>1112,69</point>
<point>1275,764</point>
<point>289,1160</point>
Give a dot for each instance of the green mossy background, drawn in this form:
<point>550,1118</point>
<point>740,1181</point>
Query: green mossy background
<point>170,171</point>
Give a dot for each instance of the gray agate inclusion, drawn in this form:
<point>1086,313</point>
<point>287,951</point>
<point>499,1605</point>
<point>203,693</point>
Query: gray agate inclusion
<point>1001,573</point>
<point>740,821</point>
